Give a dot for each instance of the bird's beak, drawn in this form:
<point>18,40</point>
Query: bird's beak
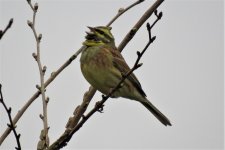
<point>92,29</point>
<point>89,33</point>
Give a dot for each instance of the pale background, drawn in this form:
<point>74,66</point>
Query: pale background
<point>182,74</point>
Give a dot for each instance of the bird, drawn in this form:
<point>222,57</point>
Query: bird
<point>103,66</point>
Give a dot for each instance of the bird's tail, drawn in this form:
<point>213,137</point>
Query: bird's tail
<point>162,118</point>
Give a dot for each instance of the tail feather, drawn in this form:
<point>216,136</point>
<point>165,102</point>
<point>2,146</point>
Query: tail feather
<point>162,118</point>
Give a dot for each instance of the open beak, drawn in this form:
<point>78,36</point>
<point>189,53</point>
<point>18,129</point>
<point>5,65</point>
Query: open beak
<point>91,32</point>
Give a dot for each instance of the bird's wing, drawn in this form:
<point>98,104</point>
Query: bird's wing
<point>121,65</point>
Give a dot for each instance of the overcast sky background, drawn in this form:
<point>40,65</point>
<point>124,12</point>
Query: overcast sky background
<point>182,74</point>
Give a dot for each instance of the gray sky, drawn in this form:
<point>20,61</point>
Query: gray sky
<point>182,74</point>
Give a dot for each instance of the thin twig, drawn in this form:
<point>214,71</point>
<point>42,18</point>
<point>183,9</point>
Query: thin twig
<point>6,28</point>
<point>121,11</point>
<point>10,125</point>
<point>44,141</point>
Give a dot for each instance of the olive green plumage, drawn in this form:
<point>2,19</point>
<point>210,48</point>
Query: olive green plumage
<point>103,65</point>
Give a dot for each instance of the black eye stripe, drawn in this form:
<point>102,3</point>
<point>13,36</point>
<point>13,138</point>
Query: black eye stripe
<point>100,31</point>
<point>103,33</point>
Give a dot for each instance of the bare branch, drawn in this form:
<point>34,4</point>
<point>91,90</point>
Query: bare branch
<point>44,141</point>
<point>7,27</point>
<point>122,10</point>
<point>11,126</point>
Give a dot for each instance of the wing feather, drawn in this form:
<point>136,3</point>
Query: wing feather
<point>121,65</point>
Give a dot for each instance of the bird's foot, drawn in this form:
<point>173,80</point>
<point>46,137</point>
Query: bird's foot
<point>99,106</point>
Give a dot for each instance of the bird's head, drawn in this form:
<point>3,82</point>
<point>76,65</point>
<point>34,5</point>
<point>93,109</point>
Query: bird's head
<point>99,35</point>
